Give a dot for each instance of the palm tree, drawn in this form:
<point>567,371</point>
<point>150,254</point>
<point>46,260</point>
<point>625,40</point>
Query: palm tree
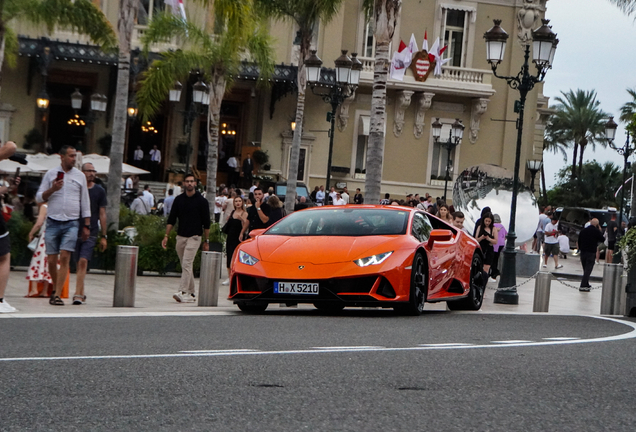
<point>242,34</point>
<point>627,6</point>
<point>81,16</point>
<point>305,14</point>
<point>385,13</point>
<point>578,121</point>
<point>125,26</point>
<point>629,109</point>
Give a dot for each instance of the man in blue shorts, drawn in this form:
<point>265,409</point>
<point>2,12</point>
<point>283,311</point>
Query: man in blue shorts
<point>84,248</point>
<point>68,216</point>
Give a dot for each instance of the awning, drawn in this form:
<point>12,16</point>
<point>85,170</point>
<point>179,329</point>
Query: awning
<point>8,167</point>
<point>469,9</point>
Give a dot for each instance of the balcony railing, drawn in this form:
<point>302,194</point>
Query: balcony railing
<point>450,75</point>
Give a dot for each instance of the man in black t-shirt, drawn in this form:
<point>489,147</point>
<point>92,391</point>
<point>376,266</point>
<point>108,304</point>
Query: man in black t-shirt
<point>258,214</point>
<point>84,248</point>
<point>612,231</point>
<point>589,238</point>
<point>193,213</point>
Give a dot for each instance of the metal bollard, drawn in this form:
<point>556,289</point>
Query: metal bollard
<point>542,292</point>
<point>610,296</point>
<point>125,276</point>
<point>209,280</point>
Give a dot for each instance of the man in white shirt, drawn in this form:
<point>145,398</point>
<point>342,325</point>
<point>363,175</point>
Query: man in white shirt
<point>320,195</point>
<point>129,184</point>
<point>65,190</point>
<point>332,194</point>
<point>339,201</point>
<point>551,245</point>
<point>155,160</point>
<point>139,205</point>
<point>148,197</point>
<point>219,200</point>
<point>167,203</point>
<point>138,157</point>
<point>345,195</point>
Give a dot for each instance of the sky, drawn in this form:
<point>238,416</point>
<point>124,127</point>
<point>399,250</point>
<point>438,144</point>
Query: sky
<point>595,52</point>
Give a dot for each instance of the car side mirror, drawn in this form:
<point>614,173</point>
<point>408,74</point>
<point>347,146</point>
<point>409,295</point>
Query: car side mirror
<point>256,232</point>
<point>440,235</point>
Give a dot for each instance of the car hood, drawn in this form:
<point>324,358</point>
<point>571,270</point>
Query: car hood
<point>320,250</point>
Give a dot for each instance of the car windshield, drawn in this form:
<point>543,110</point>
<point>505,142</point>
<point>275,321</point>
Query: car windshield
<point>355,222</point>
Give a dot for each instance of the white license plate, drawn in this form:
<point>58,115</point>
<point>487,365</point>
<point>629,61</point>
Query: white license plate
<point>295,288</point>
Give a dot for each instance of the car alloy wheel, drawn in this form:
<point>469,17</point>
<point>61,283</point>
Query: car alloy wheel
<point>419,287</point>
<point>477,281</point>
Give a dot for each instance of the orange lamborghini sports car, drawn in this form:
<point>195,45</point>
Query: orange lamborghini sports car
<point>364,255</point>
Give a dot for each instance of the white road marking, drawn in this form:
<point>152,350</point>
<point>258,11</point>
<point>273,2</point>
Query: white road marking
<point>240,350</point>
<point>512,342</point>
<point>361,347</point>
<point>561,338</point>
<point>623,336</point>
<point>445,345</point>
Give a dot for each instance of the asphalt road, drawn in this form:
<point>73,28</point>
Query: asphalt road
<point>299,370</point>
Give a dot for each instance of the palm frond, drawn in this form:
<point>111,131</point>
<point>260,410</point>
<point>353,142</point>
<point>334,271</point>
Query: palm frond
<point>157,81</point>
<point>627,6</point>
<point>166,26</point>
<point>11,47</point>
<point>81,16</point>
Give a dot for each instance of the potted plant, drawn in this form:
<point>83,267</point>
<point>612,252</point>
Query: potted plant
<point>216,238</point>
<point>262,158</point>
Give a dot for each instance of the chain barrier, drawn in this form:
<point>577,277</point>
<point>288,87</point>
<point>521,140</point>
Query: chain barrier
<point>516,286</point>
<point>495,288</point>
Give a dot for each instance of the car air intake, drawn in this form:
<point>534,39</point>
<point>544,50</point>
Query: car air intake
<point>385,289</point>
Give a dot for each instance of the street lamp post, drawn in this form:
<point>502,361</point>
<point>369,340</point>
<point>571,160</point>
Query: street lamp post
<point>533,165</point>
<point>347,79</point>
<point>544,43</point>
<point>200,97</point>
<point>626,151</point>
<point>98,104</point>
<point>455,135</point>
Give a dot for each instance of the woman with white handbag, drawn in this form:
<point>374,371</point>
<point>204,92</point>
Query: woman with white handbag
<point>38,274</point>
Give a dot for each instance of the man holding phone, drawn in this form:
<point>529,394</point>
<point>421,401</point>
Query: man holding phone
<point>65,190</point>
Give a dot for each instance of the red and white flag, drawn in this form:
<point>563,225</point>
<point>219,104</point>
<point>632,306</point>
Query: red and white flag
<point>425,43</point>
<point>399,62</point>
<point>176,7</point>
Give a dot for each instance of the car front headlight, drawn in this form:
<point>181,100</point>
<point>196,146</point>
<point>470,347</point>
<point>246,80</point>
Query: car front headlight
<point>246,258</point>
<point>373,259</point>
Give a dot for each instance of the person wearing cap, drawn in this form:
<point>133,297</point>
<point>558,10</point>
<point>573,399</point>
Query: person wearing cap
<point>551,242</point>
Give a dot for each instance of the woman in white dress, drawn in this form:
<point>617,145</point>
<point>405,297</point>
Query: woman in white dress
<point>39,267</point>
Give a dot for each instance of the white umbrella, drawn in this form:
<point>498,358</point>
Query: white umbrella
<point>44,160</point>
<point>102,165</point>
<point>8,167</point>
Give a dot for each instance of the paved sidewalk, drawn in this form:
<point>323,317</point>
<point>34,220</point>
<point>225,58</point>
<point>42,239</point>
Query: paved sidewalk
<point>154,297</point>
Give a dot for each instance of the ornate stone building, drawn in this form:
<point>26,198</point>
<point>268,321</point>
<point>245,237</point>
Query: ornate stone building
<point>261,118</point>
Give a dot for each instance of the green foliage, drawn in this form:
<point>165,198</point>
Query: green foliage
<point>594,188</point>
<point>81,16</point>
<point>33,137</point>
<point>261,157</point>
<point>19,228</point>
<point>126,217</point>
<point>627,244</point>
<point>106,260</point>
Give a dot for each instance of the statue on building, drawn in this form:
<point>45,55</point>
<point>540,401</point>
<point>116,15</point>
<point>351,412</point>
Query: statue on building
<point>529,18</point>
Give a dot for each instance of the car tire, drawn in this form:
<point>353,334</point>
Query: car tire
<point>330,307</point>
<point>475,297</point>
<point>252,307</point>
<point>419,287</point>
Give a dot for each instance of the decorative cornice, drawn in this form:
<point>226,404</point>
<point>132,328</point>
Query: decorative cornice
<point>479,107</point>
<point>402,102</point>
<point>423,103</point>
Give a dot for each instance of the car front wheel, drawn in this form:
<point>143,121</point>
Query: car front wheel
<point>419,287</point>
<point>252,307</point>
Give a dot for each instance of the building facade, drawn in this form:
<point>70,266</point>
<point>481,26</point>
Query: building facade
<point>256,118</point>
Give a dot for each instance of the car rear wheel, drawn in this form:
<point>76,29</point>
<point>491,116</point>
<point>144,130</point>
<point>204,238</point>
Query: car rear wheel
<point>252,307</point>
<point>477,287</point>
<point>419,287</point>
<point>330,306</point>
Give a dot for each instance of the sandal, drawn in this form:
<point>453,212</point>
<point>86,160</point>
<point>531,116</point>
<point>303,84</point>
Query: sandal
<point>79,299</point>
<point>56,301</point>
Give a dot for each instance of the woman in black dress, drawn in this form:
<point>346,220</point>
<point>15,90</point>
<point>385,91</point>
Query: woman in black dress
<point>487,236</point>
<point>235,228</point>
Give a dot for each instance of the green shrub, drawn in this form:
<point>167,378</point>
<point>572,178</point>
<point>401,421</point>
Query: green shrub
<point>19,228</point>
<point>126,217</point>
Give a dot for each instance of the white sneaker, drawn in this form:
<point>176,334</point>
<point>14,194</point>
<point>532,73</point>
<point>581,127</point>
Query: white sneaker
<point>188,298</point>
<point>545,266</point>
<point>226,282</point>
<point>178,297</point>
<point>5,307</point>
